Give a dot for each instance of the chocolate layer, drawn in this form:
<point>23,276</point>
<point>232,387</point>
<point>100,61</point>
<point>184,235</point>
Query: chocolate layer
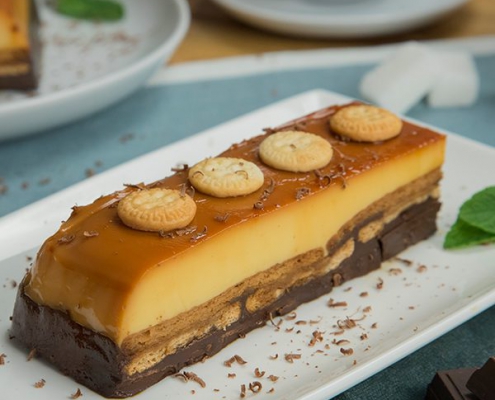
<point>95,361</point>
<point>450,385</point>
<point>482,382</point>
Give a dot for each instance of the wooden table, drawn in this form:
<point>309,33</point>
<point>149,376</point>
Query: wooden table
<point>213,33</point>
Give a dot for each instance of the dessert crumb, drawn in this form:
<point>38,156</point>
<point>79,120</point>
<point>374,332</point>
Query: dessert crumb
<point>31,355</point>
<point>39,384</point>
<point>76,395</point>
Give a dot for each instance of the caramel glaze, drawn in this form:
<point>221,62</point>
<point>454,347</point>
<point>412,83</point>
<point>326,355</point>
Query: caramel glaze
<point>98,245</point>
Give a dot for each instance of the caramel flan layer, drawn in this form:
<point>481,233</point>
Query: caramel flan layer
<point>115,280</point>
<point>19,45</point>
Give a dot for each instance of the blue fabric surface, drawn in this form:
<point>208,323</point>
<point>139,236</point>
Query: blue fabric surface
<point>34,167</point>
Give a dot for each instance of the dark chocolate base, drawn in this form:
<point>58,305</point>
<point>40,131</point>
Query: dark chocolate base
<point>95,361</point>
<point>450,385</point>
<point>482,382</point>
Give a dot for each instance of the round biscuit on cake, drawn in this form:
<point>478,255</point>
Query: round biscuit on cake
<point>156,210</point>
<point>366,123</point>
<point>295,151</point>
<point>226,177</point>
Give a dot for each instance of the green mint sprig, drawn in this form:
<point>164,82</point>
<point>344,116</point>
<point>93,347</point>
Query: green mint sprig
<point>101,10</point>
<point>475,223</point>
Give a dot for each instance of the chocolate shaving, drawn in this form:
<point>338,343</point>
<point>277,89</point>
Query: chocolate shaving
<point>180,168</point>
<point>317,337</point>
<point>367,309</point>
<point>331,303</point>
<point>139,186</point>
<point>380,283</point>
<point>301,322</point>
<point>199,235</point>
<point>233,359</point>
<point>347,323</point>
<point>258,205</point>
<point>340,342</point>
<point>421,269</point>
<point>363,336</point>
<point>275,324</point>
<point>265,195</point>
<point>181,376</point>
<point>90,234</point>
<point>268,191</point>
<point>255,387</point>
<point>240,360</point>
<point>258,373</point>
<point>273,357</point>
<point>39,384</point>
<point>337,280</point>
<point>186,231</point>
<point>395,271</point>
<point>195,378</point>
<point>231,376</point>
<point>323,180</point>
<point>273,378</point>
<point>404,261</point>
<point>290,357</point>
<point>2,358</point>
<point>221,218</point>
<point>76,395</point>
<point>346,352</point>
<point>31,354</point>
<point>187,189</point>
<point>363,294</point>
<point>166,234</point>
<point>243,391</point>
<point>374,325</point>
<point>302,192</point>
<point>269,130</point>
<point>66,239</point>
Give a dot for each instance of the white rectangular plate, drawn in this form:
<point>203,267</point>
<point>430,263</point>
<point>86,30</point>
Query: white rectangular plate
<point>417,303</point>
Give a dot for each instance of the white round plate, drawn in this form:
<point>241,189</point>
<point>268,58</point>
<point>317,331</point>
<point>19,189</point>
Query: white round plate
<point>87,66</point>
<point>338,18</point>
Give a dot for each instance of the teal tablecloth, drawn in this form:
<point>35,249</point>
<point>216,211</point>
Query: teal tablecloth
<point>33,167</point>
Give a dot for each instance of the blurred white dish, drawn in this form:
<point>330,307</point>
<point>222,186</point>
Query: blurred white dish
<point>87,66</point>
<point>339,18</point>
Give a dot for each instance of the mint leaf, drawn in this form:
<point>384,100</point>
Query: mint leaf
<point>463,235</point>
<point>91,9</point>
<point>479,210</point>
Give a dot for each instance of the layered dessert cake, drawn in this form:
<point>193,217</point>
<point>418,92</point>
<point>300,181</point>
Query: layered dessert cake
<point>152,278</point>
<point>19,45</point>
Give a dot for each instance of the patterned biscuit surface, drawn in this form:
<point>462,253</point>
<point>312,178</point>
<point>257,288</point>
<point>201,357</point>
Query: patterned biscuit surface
<point>156,209</point>
<point>366,123</point>
<point>226,177</point>
<point>295,151</point>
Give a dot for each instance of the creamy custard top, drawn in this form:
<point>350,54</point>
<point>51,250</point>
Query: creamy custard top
<point>94,252</point>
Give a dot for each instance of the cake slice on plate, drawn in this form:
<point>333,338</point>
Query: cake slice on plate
<point>19,45</point>
<point>147,280</point>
